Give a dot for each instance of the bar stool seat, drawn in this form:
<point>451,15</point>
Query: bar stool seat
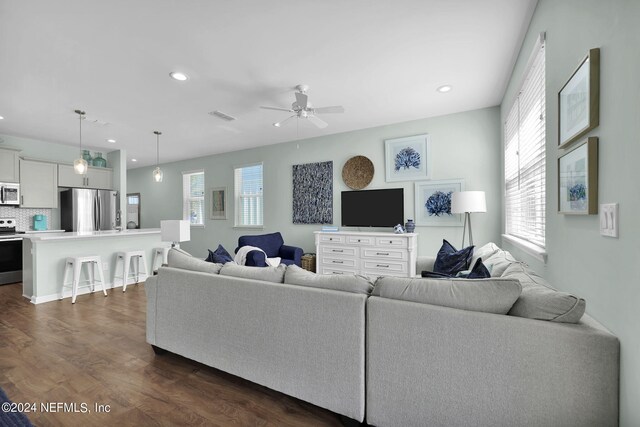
<point>138,273</point>
<point>75,264</point>
<point>159,254</point>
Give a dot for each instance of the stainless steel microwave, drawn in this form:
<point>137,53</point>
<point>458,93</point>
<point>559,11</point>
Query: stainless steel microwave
<point>9,194</point>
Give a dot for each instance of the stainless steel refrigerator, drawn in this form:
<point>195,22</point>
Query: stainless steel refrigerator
<point>84,209</point>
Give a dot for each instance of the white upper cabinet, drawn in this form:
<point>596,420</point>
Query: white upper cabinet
<point>9,166</point>
<point>101,178</point>
<point>38,184</point>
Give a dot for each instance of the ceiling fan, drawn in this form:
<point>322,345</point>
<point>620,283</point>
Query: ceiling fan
<point>302,109</point>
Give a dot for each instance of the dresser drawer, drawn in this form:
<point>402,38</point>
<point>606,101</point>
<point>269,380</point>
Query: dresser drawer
<point>393,242</point>
<point>331,238</point>
<point>384,266</point>
<point>360,240</point>
<point>339,250</point>
<point>384,253</point>
<point>330,270</point>
<point>340,262</point>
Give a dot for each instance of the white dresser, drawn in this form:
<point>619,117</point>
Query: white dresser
<point>370,254</point>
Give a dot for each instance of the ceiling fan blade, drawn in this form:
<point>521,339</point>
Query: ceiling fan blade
<point>289,110</point>
<point>318,122</point>
<point>332,109</point>
<point>302,99</point>
<point>280,123</point>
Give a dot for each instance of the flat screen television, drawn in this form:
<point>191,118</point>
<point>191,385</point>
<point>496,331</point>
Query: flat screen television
<point>373,208</point>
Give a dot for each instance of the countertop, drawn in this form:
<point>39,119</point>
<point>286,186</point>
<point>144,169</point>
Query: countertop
<point>89,234</point>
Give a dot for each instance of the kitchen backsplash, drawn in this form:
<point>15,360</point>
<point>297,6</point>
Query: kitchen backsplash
<point>24,216</point>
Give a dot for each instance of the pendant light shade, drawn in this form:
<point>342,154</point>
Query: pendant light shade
<point>157,172</point>
<point>80,165</point>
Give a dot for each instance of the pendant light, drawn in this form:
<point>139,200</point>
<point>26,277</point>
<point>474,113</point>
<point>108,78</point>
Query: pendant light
<point>157,172</point>
<point>80,164</point>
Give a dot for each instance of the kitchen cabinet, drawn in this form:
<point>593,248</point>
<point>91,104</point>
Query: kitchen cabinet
<point>101,178</point>
<point>38,184</point>
<point>9,165</point>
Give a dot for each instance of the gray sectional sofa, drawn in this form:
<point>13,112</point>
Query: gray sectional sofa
<point>409,352</point>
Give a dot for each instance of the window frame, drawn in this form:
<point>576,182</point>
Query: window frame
<point>531,246</point>
<point>236,198</point>
<point>186,199</point>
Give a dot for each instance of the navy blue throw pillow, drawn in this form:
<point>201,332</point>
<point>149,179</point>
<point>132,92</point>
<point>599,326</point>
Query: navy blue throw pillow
<point>432,275</point>
<point>220,255</point>
<point>450,261</point>
<point>479,271</point>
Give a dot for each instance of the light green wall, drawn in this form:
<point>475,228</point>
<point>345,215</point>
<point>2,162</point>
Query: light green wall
<point>600,269</point>
<point>464,145</point>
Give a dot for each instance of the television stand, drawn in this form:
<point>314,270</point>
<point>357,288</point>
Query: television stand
<point>366,253</point>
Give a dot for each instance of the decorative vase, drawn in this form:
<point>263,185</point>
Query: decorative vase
<point>99,161</point>
<point>86,154</point>
<point>410,226</point>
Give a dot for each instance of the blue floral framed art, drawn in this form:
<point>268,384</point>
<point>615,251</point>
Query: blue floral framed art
<point>433,203</point>
<point>578,179</point>
<point>407,158</point>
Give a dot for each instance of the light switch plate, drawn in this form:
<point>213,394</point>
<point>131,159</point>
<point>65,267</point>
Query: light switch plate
<point>609,219</point>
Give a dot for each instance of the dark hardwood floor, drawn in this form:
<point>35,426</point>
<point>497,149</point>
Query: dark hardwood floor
<point>94,352</point>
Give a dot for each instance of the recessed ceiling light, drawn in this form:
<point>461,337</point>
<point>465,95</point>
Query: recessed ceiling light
<point>1,118</point>
<point>113,141</point>
<point>176,75</point>
<point>444,89</point>
<point>134,160</point>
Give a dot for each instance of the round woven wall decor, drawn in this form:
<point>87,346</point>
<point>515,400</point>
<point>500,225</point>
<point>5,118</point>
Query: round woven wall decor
<point>357,173</point>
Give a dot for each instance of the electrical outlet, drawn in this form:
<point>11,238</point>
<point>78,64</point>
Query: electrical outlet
<point>105,266</point>
<point>609,219</point>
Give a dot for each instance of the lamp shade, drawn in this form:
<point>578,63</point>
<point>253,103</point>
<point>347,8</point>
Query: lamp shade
<point>468,201</point>
<point>175,230</point>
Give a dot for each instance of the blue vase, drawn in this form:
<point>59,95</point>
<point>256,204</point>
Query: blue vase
<point>410,226</point>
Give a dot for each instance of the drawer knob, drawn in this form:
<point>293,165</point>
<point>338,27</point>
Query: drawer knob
<point>337,272</point>
<point>337,250</point>
<point>358,240</point>
<point>338,262</point>
<point>382,253</point>
<point>382,265</point>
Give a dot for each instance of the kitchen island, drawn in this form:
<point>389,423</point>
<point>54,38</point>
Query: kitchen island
<point>44,257</point>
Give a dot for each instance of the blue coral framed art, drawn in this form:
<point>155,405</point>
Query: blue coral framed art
<point>407,158</point>
<point>433,203</point>
<point>578,179</point>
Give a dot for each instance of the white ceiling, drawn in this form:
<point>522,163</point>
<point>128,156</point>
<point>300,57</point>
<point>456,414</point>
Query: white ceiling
<point>381,59</point>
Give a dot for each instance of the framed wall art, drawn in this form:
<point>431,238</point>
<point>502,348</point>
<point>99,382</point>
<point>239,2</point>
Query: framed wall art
<point>407,158</point>
<point>433,203</point>
<point>578,179</point>
<point>579,100</point>
<point>218,203</point>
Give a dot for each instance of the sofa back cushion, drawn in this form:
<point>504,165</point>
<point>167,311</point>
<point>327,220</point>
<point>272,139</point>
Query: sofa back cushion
<point>181,259</point>
<point>269,243</point>
<point>347,282</point>
<point>267,274</point>
<point>495,295</point>
<point>540,301</point>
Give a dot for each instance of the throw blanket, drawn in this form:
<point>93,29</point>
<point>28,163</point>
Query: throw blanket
<point>241,256</point>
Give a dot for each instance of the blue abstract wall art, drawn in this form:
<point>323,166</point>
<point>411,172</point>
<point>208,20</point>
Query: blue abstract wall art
<point>313,193</point>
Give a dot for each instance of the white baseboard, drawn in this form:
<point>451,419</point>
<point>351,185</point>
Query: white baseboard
<point>81,291</point>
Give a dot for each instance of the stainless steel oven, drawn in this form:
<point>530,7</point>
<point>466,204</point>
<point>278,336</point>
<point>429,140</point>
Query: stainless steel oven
<point>10,252</point>
<point>9,194</point>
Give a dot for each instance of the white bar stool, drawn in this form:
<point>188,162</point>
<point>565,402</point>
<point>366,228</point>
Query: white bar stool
<point>137,273</point>
<point>75,264</point>
<point>157,254</point>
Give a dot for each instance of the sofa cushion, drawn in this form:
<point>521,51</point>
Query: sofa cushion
<point>540,301</point>
<point>347,282</point>
<point>451,261</point>
<point>499,262</point>
<point>495,295</point>
<point>485,252</point>
<point>267,274</point>
<point>220,255</point>
<point>181,259</point>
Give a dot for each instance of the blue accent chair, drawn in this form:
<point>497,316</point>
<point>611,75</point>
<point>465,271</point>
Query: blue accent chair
<point>273,245</point>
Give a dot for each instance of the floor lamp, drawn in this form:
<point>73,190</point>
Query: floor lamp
<point>467,202</point>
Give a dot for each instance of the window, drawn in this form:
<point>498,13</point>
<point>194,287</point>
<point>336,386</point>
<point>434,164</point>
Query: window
<point>193,197</point>
<point>248,196</point>
<point>524,156</point>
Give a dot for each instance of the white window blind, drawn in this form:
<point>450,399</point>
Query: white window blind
<point>248,195</point>
<point>193,197</point>
<point>524,156</point>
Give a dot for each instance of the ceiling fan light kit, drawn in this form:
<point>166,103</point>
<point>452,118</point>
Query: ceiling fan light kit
<point>303,109</point>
